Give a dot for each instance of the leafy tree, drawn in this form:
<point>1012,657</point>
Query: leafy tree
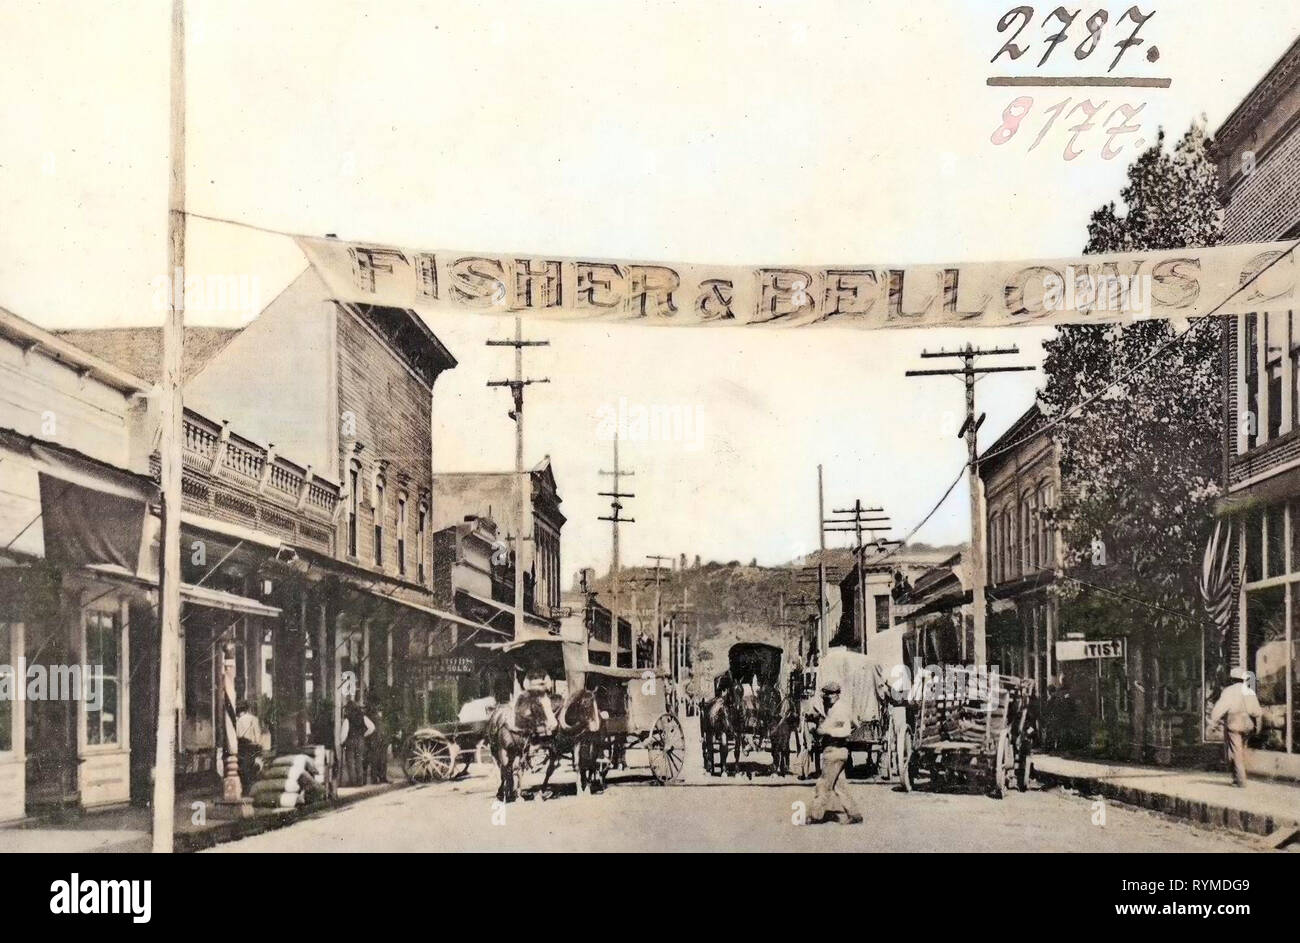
<point>1141,465</point>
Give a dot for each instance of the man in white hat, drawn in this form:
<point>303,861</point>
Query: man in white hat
<point>1239,709</point>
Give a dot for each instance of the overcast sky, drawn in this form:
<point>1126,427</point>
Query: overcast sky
<point>728,132</point>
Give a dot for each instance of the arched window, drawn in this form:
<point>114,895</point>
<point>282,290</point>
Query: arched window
<point>421,539</point>
<point>354,502</point>
<point>1008,541</point>
<point>1026,533</point>
<point>995,571</point>
<point>401,534</point>
<point>379,520</point>
<point>1046,558</point>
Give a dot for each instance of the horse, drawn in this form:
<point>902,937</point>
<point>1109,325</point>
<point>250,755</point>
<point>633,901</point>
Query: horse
<point>577,736</point>
<point>722,723</point>
<point>783,722</point>
<point>511,729</point>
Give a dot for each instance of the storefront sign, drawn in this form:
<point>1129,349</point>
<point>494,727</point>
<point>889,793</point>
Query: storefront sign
<point>459,665</point>
<point>1181,283</point>
<point>1079,650</point>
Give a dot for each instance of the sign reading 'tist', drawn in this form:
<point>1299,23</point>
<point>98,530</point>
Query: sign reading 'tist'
<point>1078,649</point>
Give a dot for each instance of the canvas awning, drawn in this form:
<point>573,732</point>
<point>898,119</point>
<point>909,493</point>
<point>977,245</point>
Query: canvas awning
<point>230,602</point>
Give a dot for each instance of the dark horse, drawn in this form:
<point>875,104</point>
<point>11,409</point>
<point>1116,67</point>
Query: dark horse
<point>722,726</point>
<point>511,729</point>
<point>783,723</point>
<point>578,737</point>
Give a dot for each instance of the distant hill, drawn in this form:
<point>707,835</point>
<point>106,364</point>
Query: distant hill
<point>733,602</point>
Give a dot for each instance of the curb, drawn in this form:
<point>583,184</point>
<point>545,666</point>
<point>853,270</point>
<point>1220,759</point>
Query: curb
<point>235,829</point>
<point>1204,813</point>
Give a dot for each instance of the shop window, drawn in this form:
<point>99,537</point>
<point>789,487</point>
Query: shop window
<point>1254,547</point>
<point>1267,656</point>
<point>103,657</point>
<point>1275,539</point>
<point>7,633</point>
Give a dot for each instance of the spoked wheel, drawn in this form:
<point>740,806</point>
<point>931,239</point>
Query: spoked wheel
<point>667,749</point>
<point>906,760</point>
<point>1004,766</point>
<point>430,757</point>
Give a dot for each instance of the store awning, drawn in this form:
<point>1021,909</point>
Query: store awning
<point>230,602</point>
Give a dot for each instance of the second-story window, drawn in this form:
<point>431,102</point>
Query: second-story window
<point>401,535</point>
<point>354,499</point>
<point>995,558</point>
<point>379,522</point>
<point>1046,558</point>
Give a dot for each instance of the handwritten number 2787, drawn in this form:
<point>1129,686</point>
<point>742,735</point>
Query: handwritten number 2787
<point>1094,24</point>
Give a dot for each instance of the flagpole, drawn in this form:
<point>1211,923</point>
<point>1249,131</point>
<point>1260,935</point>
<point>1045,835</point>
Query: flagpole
<point>164,785</point>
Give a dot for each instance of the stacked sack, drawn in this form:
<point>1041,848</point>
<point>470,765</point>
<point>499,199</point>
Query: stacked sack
<point>292,780</point>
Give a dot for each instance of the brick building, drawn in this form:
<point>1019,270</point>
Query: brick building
<point>1258,151</point>
<point>1022,479</point>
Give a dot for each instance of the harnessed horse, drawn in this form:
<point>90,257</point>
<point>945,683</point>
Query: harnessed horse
<point>722,725</point>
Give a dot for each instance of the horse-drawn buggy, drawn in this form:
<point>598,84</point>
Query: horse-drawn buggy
<point>969,725</point>
<point>589,714</point>
<point>754,708</point>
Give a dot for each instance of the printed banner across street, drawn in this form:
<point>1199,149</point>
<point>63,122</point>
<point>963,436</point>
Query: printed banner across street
<point>1181,283</point>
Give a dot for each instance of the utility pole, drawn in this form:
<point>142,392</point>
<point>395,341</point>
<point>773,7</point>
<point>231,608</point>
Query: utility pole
<point>616,506</point>
<point>524,481</point>
<point>172,417</point>
<point>823,609</point>
<point>859,524</point>
<point>970,429</point>
<point>658,559</point>
<point>821,575</point>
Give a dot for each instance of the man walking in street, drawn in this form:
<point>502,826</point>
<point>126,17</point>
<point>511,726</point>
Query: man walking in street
<point>1239,709</point>
<point>831,795</point>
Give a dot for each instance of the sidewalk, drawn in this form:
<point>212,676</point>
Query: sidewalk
<point>1270,808</point>
<point>128,829</point>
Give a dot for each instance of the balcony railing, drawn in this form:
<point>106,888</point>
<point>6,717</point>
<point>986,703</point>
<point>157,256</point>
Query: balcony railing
<point>228,476</point>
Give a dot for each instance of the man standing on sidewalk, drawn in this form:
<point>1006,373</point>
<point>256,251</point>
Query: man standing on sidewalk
<point>1239,709</point>
<point>831,794</point>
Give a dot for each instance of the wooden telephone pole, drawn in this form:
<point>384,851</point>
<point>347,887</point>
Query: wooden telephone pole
<point>970,429</point>
<point>860,523</point>
<point>516,386</point>
<point>169,449</point>
<point>616,506</point>
<point>659,631</point>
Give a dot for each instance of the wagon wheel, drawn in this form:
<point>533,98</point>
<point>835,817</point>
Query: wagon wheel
<point>430,757</point>
<point>1004,765</point>
<point>906,759</point>
<point>667,749</point>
